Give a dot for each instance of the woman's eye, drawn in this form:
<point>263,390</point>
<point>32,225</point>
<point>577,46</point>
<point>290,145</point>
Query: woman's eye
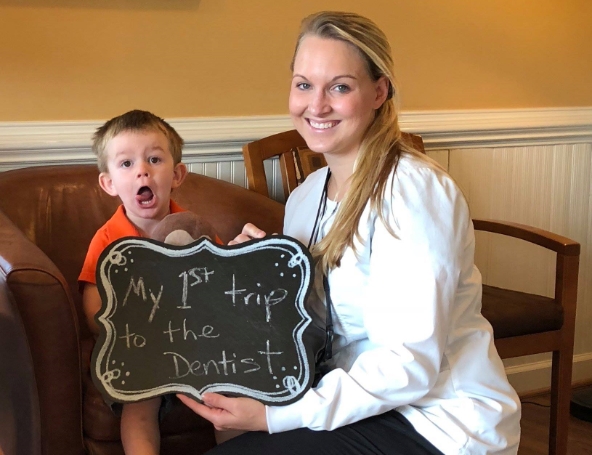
<point>341,88</point>
<point>303,85</point>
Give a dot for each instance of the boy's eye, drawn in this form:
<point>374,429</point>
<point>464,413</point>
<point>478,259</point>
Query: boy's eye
<point>154,160</point>
<point>126,163</point>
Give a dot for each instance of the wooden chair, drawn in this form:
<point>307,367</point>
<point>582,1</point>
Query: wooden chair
<point>523,324</point>
<point>295,159</point>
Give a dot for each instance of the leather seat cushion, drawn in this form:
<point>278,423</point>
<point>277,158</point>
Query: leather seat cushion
<point>511,313</point>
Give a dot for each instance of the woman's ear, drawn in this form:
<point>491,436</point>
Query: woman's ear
<point>179,174</point>
<point>382,88</point>
<point>106,183</point>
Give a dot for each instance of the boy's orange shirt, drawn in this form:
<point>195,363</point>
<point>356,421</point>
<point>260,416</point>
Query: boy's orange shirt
<point>116,227</point>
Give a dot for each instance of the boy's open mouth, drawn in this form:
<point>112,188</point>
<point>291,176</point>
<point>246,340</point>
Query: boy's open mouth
<point>145,195</point>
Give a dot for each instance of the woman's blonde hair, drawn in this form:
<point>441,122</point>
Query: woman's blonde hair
<point>381,145</point>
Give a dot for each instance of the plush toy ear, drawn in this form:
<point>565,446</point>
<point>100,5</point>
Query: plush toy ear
<point>185,227</point>
<point>179,237</point>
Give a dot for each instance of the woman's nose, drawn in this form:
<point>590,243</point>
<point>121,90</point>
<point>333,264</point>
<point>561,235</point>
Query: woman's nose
<point>319,104</point>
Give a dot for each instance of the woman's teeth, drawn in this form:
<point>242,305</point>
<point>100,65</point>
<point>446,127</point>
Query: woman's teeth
<point>323,125</point>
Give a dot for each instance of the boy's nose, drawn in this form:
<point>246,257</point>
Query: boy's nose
<point>142,171</point>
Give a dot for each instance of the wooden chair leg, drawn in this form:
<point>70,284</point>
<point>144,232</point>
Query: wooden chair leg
<point>560,400</point>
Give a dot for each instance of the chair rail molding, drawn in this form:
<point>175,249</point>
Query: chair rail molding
<point>499,128</point>
<point>221,138</point>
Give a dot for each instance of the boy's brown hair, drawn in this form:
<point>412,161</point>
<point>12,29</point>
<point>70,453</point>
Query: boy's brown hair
<point>135,120</point>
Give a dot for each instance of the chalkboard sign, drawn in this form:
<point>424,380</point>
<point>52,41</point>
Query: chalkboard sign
<point>205,318</point>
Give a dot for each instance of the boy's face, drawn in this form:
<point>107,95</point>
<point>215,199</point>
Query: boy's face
<point>142,173</point>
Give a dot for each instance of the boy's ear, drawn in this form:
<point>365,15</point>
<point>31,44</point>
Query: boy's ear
<point>106,183</point>
<point>179,174</point>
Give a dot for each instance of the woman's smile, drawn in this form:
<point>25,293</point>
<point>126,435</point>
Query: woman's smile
<point>322,125</point>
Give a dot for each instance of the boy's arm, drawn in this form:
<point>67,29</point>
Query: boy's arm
<point>139,427</point>
<point>91,302</point>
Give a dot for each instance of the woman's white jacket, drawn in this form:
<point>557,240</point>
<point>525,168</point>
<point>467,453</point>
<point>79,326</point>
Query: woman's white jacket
<point>407,311</point>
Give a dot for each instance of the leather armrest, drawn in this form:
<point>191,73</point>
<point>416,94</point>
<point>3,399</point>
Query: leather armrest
<point>41,297</point>
<point>19,406</point>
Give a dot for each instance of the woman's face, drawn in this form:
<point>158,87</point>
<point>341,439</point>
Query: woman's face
<point>333,98</point>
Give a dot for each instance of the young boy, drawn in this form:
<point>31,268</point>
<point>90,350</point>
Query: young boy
<point>139,159</point>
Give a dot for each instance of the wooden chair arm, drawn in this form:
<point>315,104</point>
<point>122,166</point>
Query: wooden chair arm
<point>558,243</point>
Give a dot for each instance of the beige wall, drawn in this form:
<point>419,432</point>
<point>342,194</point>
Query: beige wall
<point>93,59</point>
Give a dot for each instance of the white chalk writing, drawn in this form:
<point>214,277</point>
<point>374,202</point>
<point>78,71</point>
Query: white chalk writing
<point>206,332</point>
<point>198,278</point>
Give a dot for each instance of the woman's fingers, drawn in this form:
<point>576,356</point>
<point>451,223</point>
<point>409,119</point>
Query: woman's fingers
<point>229,413</point>
<point>249,232</point>
<point>211,414</point>
<point>215,400</point>
<point>241,238</point>
<point>195,406</point>
<point>253,231</point>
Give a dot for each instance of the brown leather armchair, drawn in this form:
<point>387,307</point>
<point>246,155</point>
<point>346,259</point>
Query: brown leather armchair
<point>48,216</point>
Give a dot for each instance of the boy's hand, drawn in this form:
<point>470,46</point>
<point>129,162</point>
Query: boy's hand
<point>249,232</point>
<point>229,413</point>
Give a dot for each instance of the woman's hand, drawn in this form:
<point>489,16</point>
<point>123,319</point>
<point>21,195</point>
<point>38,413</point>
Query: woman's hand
<point>229,413</point>
<point>250,232</point>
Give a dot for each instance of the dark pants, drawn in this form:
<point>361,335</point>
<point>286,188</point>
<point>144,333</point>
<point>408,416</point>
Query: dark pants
<point>389,433</point>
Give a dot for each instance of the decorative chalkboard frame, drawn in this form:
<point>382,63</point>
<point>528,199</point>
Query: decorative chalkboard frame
<point>205,318</point>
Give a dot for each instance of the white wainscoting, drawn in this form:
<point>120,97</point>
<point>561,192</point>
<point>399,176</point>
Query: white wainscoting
<point>532,166</point>
<point>547,186</point>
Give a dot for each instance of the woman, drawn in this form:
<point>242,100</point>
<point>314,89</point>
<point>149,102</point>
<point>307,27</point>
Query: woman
<point>414,369</point>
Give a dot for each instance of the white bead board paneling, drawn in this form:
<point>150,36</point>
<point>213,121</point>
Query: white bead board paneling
<point>547,186</point>
<point>439,156</point>
<point>233,171</point>
<point>229,171</point>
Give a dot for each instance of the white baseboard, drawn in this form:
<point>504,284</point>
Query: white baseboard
<point>536,376</point>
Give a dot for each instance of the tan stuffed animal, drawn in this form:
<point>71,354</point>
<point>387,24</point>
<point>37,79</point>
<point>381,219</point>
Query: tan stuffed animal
<point>182,228</point>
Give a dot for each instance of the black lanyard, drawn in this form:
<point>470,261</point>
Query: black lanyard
<point>328,351</point>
